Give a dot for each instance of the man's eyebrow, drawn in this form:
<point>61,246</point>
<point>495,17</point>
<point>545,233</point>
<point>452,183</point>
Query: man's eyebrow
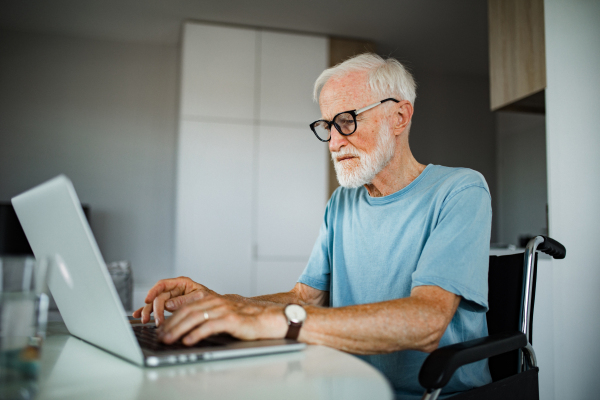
<point>326,117</point>
<point>333,115</point>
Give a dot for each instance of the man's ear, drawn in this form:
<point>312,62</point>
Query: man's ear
<point>402,117</point>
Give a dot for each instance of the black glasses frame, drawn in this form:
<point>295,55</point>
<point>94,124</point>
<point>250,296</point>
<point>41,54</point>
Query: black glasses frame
<point>354,113</point>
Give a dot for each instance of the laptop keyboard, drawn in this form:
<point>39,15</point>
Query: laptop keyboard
<point>148,339</point>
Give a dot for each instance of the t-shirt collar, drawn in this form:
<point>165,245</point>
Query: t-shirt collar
<point>396,195</point>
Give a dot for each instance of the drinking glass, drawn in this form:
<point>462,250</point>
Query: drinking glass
<point>122,277</point>
<point>23,316</point>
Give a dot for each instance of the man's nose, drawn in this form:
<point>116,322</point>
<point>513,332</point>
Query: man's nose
<point>337,140</point>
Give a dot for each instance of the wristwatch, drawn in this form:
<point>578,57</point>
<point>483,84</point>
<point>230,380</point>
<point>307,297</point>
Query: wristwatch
<point>296,315</point>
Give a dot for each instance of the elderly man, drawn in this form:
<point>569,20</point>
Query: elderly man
<point>400,264</point>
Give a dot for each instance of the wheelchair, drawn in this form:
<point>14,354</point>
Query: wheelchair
<point>512,361</point>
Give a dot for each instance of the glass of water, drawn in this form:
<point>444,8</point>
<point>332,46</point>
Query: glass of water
<point>23,316</point>
<point>122,277</point>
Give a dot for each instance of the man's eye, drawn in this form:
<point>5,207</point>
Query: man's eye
<point>323,125</point>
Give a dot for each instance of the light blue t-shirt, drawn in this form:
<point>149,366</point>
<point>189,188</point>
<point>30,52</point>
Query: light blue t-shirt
<point>435,231</point>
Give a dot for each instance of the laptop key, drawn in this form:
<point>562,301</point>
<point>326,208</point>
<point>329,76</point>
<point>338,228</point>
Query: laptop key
<point>147,338</point>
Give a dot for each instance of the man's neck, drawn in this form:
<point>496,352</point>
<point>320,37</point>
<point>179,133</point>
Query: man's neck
<point>398,174</point>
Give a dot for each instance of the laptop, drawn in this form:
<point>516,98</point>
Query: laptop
<point>55,225</point>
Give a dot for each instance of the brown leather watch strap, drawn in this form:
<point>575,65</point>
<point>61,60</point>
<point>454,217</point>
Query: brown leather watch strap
<point>293,331</point>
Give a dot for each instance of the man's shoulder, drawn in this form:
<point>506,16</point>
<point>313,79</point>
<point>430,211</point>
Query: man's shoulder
<point>453,179</point>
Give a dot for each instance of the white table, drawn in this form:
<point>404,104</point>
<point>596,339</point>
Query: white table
<point>73,369</point>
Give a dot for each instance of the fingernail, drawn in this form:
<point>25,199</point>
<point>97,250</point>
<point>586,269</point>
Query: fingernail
<point>170,303</point>
<point>168,336</point>
<point>187,340</point>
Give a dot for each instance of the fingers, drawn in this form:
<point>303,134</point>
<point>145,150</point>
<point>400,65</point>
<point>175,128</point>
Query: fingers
<point>159,309</point>
<point>209,328</point>
<point>175,285</point>
<point>202,305</point>
<point>137,313</point>
<point>157,306</point>
<point>146,311</point>
<point>193,319</point>
<point>191,316</point>
<point>177,302</point>
<point>162,291</point>
<point>215,314</point>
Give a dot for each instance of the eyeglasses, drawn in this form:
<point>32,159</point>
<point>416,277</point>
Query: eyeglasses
<point>345,122</point>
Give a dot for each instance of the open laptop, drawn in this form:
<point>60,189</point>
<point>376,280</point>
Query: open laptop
<point>55,225</point>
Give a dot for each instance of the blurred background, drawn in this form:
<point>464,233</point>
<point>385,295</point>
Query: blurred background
<point>108,94</point>
<point>184,128</point>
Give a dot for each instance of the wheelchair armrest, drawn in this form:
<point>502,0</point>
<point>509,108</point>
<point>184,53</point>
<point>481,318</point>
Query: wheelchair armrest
<point>440,365</point>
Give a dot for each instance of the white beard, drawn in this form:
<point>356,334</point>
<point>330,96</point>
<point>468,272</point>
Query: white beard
<point>350,175</point>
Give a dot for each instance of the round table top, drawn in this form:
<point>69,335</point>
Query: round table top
<point>74,369</point>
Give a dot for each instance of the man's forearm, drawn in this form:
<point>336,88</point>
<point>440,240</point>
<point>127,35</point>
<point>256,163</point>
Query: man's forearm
<point>277,298</point>
<point>300,294</point>
<point>416,322</point>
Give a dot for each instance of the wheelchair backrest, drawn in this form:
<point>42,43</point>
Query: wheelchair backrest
<point>505,281</point>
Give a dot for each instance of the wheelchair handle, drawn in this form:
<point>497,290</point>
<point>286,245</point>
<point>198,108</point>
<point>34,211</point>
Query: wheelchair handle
<point>552,248</point>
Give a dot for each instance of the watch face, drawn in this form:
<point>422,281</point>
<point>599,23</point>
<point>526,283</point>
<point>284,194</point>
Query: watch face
<point>295,313</point>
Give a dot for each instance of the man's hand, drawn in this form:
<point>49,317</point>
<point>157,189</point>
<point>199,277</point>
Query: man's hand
<point>214,314</point>
<point>170,295</point>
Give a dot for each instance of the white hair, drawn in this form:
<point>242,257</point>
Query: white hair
<point>386,77</point>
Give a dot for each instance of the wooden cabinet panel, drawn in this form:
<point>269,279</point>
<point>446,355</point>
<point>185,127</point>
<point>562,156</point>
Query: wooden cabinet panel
<point>517,50</point>
<point>342,49</point>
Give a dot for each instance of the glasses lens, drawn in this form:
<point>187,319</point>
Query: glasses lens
<point>345,123</point>
<point>321,128</point>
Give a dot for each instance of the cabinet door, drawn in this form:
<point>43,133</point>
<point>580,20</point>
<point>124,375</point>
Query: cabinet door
<point>292,192</point>
<point>517,50</point>
<point>218,72</point>
<point>289,66</point>
<point>213,240</point>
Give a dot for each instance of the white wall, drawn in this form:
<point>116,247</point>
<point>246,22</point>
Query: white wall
<point>573,149</point>
<point>453,126</point>
<point>521,175</point>
<point>104,114</point>
<point>521,209</point>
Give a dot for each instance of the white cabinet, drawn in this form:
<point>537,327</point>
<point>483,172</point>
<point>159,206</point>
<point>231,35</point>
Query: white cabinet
<point>292,186</point>
<point>218,72</point>
<point>251,184</point>
<point>289,66</point>
<point>214,208</point>
<point>277,276</point>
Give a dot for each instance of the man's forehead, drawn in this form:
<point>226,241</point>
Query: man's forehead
<point>349,91</point>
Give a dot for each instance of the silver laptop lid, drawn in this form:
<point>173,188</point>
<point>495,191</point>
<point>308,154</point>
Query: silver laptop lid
<point>55,225</point>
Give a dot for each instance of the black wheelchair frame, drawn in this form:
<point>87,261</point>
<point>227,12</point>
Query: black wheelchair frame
<point>512,361</point>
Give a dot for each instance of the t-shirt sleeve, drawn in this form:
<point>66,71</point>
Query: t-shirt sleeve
<point>456,255</point>
<point>317,271</point>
